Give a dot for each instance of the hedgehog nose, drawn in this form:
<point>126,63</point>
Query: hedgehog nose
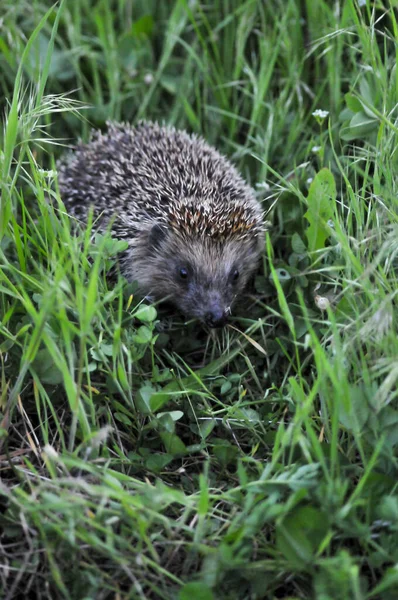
<point>216,318</point>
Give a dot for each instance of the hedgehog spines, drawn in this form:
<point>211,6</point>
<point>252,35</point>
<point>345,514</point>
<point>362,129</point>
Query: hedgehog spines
<point>147,175</point>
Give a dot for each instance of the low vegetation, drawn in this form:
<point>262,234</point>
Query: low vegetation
<point>142,457</point>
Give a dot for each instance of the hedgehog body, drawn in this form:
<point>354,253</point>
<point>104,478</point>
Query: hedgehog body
<point>194,227</point>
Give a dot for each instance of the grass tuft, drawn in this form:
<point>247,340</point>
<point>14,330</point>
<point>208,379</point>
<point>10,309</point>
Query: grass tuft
<point>141,457</point>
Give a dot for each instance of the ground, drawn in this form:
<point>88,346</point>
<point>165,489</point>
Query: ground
<point>140,456</point>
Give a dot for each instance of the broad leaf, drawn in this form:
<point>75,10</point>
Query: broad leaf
<point>321,201</point>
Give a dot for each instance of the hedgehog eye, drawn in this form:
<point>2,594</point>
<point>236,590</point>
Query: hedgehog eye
<point>183,273</point>
<point>235,275</point>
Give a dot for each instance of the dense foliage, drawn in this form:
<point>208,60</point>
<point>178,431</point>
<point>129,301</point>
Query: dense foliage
<point>140,456</point>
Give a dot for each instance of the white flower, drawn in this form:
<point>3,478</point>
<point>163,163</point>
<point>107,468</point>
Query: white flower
<point>310,180</point>
<point>263,185</point>
<point>321,114</point>
<point>148,78</point>
<point>48,174</point>
<point>322,302</point>
<point>361,3</point>
<point>315,149</point>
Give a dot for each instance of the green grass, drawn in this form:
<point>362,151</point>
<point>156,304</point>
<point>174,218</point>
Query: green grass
<point>141,457</point>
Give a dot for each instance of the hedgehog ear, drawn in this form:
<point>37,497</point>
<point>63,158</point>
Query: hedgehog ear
<point>157,235</point>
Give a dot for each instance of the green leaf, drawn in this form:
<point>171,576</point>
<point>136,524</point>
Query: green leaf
<point>60,66</point>
<point>145,313</point>
<point>300,534</point>
<point>172,443</point>
<point>226,386</point>
<point>225,452</point>
<point>369,96</point>
<point>46,369</point>
<point>176,415</point>
<point>195,591</point>
<point>346,115</point>
<point>338,577</point>
<point>171,84</point>
<point>166,423</point>
<point>122,377</point>
<point>157,462</point>
<point>143,26</point>
<point>388,509</point>
<point>143,335</point>
<point>345,132</point>
<point>158,399</point>
<point>107,245</point>
<point>122,418</point>
<point>143,399</point>
<point>248,414</point>
<point>101,351</point>
<point>298,245</point>
<point>355,416</point>
<point>365,90</point>
<point>362,124</point>
<point>321,202</point>
<point>353,103</point>
<point>206,427</point>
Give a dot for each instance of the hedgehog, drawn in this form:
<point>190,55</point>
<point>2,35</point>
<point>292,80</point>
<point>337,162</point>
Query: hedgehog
<point>194,228</point>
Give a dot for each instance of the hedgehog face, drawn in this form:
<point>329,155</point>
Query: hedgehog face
<point>203,277</point>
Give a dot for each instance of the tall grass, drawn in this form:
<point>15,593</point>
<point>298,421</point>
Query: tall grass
<point>141,457</point>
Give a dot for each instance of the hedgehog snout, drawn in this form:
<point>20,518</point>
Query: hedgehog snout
<point>216,317</point>
<point>216,311</point>
<point>211,306</point>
